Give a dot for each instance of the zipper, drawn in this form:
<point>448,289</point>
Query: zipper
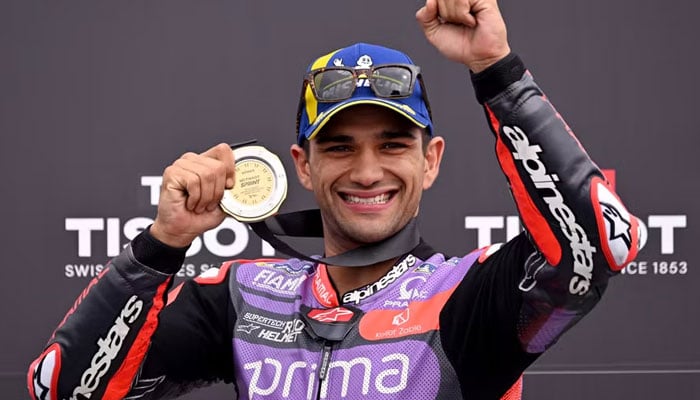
<point>324,365</point>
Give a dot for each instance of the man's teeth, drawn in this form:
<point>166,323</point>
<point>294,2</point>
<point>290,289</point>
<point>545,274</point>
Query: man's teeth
<point>380,199</point>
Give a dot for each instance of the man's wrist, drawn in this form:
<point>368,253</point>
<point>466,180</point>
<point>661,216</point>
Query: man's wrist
<point>164,237</point>
<point>497,77</point>
<point>155,254</point>
<point>481,65</point>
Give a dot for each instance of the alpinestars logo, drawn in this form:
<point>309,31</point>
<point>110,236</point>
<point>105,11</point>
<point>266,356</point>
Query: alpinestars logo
<point>107,349</point>
<point>247,328</point>
<point>581,248</point>
<point>619,226</point>
<point>399,269</point>
<point>44,373</point>
<point>142,387</point>
<point>337,314</point>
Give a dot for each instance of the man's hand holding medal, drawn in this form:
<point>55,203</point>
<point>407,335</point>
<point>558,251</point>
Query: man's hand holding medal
<point>199,190</point>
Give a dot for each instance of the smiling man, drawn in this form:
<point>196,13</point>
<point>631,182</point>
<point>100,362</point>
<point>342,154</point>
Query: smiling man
<point>367,167</point>
<point>414,324</point>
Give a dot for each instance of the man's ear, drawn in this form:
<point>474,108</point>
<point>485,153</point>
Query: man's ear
<point>433,157</point>
<point>301,164</point>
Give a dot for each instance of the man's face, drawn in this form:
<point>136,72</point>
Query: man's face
<point>367,169</point>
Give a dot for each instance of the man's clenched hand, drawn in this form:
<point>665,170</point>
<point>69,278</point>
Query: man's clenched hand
<point>192,188</point>
<point>471,32</point>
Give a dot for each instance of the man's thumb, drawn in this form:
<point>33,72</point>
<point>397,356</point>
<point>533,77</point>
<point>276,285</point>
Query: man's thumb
<point>427,15</point>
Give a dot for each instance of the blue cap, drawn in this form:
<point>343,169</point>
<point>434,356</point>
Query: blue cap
<point>313,115</point>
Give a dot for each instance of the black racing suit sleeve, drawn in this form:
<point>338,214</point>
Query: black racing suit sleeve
<point>517,302</point>
<point>192,346</point>
<point>121,341</point>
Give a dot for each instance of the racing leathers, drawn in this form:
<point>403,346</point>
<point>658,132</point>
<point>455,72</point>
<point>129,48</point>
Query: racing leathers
<point>433,327</point>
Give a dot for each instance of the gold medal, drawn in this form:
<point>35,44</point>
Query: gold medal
<point>260,188</point>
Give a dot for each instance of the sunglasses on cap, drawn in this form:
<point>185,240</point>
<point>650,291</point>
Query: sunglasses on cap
<point>333,84</point>
<point>338,83</point>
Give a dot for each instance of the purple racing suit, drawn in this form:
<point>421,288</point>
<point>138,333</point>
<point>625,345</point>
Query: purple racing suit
<point>433,327</point>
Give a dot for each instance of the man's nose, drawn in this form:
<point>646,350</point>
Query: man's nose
<point>367,168</point>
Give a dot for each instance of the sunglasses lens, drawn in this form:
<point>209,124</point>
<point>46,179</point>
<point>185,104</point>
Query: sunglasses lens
<point>334,84</point>
<point>392,81</point>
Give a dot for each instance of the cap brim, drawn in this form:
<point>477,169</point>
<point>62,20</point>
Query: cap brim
<point>403,109</point>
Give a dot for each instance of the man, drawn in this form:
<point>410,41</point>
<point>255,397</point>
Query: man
<point>418,325</point>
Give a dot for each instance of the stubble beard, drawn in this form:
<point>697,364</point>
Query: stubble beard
<point>347,235</point>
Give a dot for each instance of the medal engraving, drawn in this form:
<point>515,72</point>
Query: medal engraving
<point>260,185</point>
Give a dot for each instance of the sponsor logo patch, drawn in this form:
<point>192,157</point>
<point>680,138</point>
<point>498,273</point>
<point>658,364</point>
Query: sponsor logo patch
<point>395,273</point>
<point>278,282</point>
<point>354,376</point>
<point>617,228</point>
<point>418,317</point>
<point>144,387</point>
<point>426,268</point>
<point>292,269</point>
<point>401,318</point>
<point>581,248</point>
<point>249,328</point>
<point>45,372</point>
<point>337,314</point>
<point>323,290</point>
<point>410,289</point>
<point>271,329</point>
<point>107,349</point>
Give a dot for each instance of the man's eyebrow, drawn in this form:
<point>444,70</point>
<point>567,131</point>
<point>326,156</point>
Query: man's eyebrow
<point>403,134</point>
<point>385,135</point>
<point>323,139</point>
